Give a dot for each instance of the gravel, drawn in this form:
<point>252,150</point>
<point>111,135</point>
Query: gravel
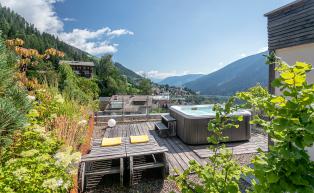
<point>244,159</point>
<point>151,186</point>
<point>166,186</point>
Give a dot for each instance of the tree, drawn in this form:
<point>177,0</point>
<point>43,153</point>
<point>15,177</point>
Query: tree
<point>13,101</point>
<point>145,86</point>
<point>110,81</point>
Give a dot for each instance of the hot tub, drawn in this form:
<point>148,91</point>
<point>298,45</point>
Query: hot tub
<point>192,124</point>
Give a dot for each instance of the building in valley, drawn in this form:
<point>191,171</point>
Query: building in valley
<point>291,37</point>
<point>84,69</point>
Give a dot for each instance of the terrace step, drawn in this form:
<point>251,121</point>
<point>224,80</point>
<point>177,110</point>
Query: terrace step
<point>168,118</point>
<point>171,124</point>
<point>161,129</point>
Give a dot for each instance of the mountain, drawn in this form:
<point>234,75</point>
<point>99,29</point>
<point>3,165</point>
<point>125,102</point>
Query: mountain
<point>237,76</point>
<point>155,80</point>
<point>131,75</point>
<point>180,80</point>
<point>13,25</point>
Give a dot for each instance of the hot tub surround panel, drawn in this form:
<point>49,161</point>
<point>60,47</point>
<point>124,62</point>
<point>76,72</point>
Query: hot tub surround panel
<point>194,130</point>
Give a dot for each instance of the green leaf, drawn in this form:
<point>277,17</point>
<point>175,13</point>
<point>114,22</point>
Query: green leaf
<point>298,180</point>
<point>272,177</point>
<point>287,75</point>
<point>308,140</point>
<point>303,65</point>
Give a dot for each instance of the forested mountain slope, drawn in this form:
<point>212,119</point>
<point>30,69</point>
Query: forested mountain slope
<point>13,25</point>
<point>237,76</point>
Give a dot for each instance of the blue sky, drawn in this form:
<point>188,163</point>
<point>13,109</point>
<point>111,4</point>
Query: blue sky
<point>159,37</point>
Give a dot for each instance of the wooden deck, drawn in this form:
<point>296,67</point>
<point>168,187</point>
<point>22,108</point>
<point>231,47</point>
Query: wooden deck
<point>179,154</point>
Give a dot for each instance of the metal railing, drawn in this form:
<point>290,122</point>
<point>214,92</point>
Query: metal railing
<point>125,105</point>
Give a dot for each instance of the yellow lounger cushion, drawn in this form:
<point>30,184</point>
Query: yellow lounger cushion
<point>106,142</point>
<point>139,139</point>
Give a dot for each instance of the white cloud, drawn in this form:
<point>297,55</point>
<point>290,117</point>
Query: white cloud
<point>41,13</point>
<point>90,41</point>
<point>160,75</point>
<point>69,19</point>
<point>263,49</point>
<point>243,55</point>
<point>54,1</point>
<point>120,32</point>
<point>38,12</point>
<point>95,42</point>
<point>221,63</point>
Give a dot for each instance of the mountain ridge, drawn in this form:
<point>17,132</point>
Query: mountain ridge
<point>237,76</point>
<point>130,74</point>
<point>179,80</point>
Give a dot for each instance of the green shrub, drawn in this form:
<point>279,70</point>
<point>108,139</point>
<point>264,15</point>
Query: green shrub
<point>287,166</point>
<point>221,173</point>
<point>80,89</point>
<point>13,101</point>
<point>35,163</point>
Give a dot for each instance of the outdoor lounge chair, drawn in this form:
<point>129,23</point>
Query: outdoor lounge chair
<point>145,156</point>
<point>102,161</point>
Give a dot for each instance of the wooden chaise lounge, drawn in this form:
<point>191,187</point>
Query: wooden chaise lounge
<point>145,156</point>
<point>101,161</point>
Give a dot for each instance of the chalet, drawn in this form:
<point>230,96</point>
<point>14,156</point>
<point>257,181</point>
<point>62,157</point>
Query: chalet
<point>291,37</point>
<point>81,68</point>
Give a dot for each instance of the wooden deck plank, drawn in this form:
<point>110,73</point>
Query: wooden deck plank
<point>170,157</point>
<point>181,158</point>
<point>137,130</point>
<point>176,158</point>
<point>179,153</point>
<point>189,152</point>
<point>132,131</point>
<point>143,129</point>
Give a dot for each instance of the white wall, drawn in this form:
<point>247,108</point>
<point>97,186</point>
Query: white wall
<point>302,53</point>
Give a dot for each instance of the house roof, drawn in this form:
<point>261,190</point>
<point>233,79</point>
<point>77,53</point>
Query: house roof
<point>284,8</point>
<point>77,63</point>
<point>161,97</point>
<point>139,98</point>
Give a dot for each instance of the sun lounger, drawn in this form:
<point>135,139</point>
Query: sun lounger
<point>145,156</point>
<point>102,161</point>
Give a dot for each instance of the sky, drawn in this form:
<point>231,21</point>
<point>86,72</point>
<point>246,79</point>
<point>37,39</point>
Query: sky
<point>160,38</point>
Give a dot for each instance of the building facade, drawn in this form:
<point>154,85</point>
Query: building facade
<point>291,37</point>
<point>84,69</point>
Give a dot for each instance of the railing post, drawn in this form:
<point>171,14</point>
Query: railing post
<point>147,100</point>
<point>122,108</point>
